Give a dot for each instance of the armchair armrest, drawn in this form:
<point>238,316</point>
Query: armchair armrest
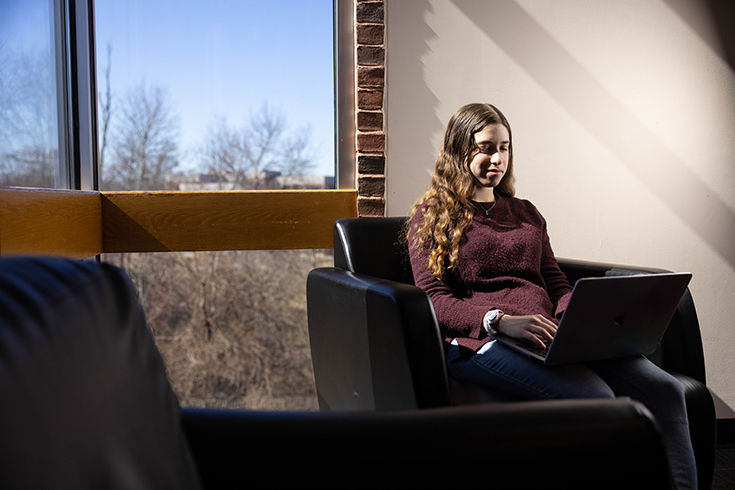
<point>680,352</point>
<point>381,335</point>
<point>574,442</point>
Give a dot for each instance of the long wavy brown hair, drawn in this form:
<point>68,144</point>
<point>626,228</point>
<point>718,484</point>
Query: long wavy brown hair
<point>447,208</point>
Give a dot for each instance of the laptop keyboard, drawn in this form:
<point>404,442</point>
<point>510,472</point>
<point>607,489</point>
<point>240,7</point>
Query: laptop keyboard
<point>530,346</point>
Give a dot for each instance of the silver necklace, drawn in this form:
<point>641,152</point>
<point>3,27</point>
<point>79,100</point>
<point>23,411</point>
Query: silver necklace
<point>488,209</point>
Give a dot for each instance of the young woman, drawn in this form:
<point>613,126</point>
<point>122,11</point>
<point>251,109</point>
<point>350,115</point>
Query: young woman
<point>485,259</point>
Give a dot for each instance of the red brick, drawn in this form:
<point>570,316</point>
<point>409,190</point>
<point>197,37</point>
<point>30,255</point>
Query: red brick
<point>369,99</point>
<point>370,164</point>
<point>370,77</point>
<point>371,142</point>
<point>369,121</point>
<point>370,55</point>
<point>371,185</point>
<point>369,12</point>
<point>369,34</point>
<point>371,206</point>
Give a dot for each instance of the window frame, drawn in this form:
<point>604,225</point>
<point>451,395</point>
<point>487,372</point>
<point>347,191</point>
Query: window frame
<point>344,87</point>
<point>76,88</point>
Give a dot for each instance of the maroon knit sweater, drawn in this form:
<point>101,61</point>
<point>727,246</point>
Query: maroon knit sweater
<point>505,261</point>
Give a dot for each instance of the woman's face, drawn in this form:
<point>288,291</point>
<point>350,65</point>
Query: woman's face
<point>488,161</point>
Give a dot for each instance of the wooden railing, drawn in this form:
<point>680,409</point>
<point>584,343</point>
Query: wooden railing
<point>83,224</point>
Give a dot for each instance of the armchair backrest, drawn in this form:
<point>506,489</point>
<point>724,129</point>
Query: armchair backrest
<point>373,246</point>
<point>85,399</point>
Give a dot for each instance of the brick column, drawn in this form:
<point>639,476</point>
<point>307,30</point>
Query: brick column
<point>370,77</point>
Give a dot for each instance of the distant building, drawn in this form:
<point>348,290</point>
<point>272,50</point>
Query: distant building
<point>262,180</point>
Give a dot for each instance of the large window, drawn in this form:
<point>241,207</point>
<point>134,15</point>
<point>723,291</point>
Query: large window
<point>185,95</point>
<point>29,143</point>
<point>221,96</point>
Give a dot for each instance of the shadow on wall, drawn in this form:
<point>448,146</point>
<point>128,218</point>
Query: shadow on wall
<point>714,23</point>
<point>607,119</point>
<point>406,68</point>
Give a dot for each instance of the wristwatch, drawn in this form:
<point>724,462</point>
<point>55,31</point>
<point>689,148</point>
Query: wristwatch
<point>490,322</point>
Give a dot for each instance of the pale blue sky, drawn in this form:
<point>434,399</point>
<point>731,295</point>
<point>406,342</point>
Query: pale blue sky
<point>224,58</point>
<point>26,25</point>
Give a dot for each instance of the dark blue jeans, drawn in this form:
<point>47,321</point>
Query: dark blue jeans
<point>636,377</point>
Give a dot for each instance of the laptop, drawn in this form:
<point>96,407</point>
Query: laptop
<point>609,317</point>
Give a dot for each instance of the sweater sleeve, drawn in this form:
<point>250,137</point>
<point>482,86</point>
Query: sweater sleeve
<point>456,317</point>
<point>556,282</point>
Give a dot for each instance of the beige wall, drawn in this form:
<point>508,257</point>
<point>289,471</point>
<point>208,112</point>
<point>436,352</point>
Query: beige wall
<point>624,129</point>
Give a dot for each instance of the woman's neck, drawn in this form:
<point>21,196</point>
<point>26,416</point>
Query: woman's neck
<point>483,194</point>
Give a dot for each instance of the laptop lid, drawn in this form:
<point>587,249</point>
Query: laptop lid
<point>609,317</point>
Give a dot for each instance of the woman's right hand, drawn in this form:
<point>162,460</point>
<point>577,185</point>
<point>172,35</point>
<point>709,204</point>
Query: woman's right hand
<point>531,327</point>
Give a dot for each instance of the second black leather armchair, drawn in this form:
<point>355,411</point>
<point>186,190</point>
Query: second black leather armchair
<point>86,405</point>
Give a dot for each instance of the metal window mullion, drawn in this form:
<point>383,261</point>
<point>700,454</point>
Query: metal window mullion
<point>77,95</point>
<point>344,87</point>
<point>87,95</point>
<point>63,179</point>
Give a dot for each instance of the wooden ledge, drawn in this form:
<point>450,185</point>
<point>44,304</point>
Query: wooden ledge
<point>50,222</point>
<point>83,224</point>
<point>222,220</point>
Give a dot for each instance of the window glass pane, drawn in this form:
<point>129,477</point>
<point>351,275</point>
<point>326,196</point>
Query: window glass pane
<point>221,95</point>
<point>231,326</point>
<point>215,95</point>
<point>29,143</point>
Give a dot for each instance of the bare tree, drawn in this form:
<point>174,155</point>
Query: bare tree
<point>243,156</point>
<point>231,326</point>
<point>28,125</point>
<point>223,154</point>
<point>32,167</point>
<point>146,148</point>
<point>298,153</point>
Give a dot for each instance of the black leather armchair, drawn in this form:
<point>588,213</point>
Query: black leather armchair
<point>376,343</point>
<point>86,405</point>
